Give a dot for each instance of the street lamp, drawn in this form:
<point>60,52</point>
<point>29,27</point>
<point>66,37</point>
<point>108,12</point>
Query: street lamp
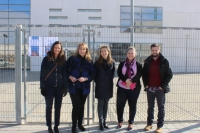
<point>5,36</point>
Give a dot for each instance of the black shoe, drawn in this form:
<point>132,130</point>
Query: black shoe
<point>56,130</point>
<point>81,127</point>
<point>74,130</point>
<point>101,127</point>
<point>50,130</point>
<point>105,125</point>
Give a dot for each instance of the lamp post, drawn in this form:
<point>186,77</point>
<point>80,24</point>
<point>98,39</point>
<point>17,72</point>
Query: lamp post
<point>5,36</point>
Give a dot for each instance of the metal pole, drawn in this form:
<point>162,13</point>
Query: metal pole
<point>18,74</point>
<point>25,76</point>
<point>5,36</point>
<point>132,23</point>
<point>88,100</point>
<point>93,92</point>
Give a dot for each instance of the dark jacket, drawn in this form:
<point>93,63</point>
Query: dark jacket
<point>77,69</point>
<point>135,79</point>
<point>104,81</point>
<point>165,72</point>
<point>56,78</point>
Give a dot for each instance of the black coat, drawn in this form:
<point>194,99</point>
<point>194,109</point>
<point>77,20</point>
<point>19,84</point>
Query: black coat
<point>165,72</point>
<point>104,81</point>
<point>135,79</point>
<point>58,76</point>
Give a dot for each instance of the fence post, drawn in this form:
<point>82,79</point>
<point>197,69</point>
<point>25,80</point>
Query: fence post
<point>132,22</point>
<point>18,74</point>
<point>25,76</point>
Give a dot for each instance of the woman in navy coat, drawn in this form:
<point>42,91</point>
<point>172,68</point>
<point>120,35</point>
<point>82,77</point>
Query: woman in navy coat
<point>80,73</point>
<point>105,70</point>
<point>53,83</point>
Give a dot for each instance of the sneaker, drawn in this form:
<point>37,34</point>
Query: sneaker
<point>148,127</point>
<point>158,130</point>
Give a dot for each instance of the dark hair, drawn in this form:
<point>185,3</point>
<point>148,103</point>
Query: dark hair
<point>61,57</point>
<point>155,45</point>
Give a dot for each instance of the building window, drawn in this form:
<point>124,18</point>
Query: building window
<point>58,17</point>
<point>94,18</point>
<point>55,10</point>
<point>89,10</point>
<point>143,16</point>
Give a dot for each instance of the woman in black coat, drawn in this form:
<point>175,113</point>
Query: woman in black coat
<point>53,83</point>
<point>129,72</point>
<point>105,69</point>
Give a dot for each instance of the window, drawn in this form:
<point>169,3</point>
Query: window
<point>19,14</point>
<point>19,1</point>
<point>19,8</point>
<point>94,18</point>
<point>55,10</point>
<point>58,17</point>
<point>143,16</point>
<point>89,10</point>
<point>3,7</point>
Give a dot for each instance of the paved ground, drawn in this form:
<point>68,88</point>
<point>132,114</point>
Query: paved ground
<point>183,127</point>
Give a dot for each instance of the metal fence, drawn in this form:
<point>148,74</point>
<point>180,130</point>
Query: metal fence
<point>20,97</point>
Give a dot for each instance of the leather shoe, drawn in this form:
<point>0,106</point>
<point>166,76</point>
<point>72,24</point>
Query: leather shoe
<point>81,127</point>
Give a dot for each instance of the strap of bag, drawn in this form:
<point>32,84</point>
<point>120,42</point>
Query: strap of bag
<point>50,72</point>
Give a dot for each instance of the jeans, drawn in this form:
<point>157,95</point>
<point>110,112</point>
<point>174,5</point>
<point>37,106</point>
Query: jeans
<point>51,94</point>
<point>159,95</point>
<point>122,96</point>
<point>78,102</point>
<point>102,109</point>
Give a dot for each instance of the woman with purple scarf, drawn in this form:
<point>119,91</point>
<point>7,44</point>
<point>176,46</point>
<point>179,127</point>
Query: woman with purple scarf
<point>129,73</point>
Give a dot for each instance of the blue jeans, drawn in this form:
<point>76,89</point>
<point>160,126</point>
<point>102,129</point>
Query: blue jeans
<point>159,95</point>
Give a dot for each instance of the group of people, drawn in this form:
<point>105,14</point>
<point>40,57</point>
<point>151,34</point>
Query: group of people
<point>60,76</point>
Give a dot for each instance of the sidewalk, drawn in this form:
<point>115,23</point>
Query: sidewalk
<point>181,127</point>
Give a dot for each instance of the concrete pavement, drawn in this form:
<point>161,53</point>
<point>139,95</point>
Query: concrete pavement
<point>177,127</point>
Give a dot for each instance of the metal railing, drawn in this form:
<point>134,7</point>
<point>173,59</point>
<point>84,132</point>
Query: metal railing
<point>179,45</point>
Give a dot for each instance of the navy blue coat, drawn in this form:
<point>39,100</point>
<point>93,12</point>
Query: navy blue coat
<point>73,69</point>
<point>56,78</point>
<point>104,81</point>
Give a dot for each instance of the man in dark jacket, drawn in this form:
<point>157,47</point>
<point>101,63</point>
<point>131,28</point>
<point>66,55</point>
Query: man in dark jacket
<point>156,77</point>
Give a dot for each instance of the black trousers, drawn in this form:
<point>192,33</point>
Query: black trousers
<point>102,109</point>
<point>159,95</point>
<point>78,102</point>
<point>53,93</point>
<point>122,96</point>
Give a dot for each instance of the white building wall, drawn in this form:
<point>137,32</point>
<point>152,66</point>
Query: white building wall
<point>176,13</point>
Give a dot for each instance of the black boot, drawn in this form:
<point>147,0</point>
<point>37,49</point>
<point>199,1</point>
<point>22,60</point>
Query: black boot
<point>74,130</point>
<point>101,125</point>
<point>104,124</point>
<point>50,130</point>
<point>56,129</point>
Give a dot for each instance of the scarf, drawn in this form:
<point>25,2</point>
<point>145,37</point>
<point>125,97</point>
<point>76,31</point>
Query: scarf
<point>129,70</point>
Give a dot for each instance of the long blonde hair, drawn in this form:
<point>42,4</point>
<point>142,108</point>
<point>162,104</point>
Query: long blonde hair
<point>87,54</point>
<point>109,58</point>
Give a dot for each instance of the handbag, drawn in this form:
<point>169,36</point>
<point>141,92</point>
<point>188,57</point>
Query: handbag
<point>132,86</point>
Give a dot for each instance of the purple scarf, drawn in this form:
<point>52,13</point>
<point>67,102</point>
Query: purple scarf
<point>129,69</point>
